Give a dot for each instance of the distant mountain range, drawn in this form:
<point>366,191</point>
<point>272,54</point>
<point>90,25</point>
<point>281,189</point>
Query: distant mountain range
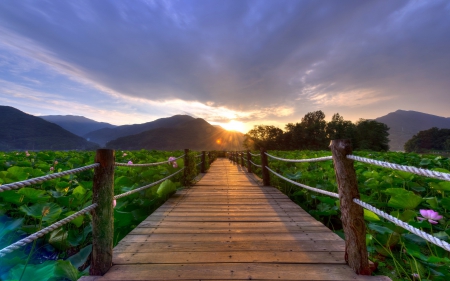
<point>102,136</point>
<point>77,125</point>
<point>21,131</point>
<point>27,132</point>
<point>405,124</point>
<point>196,134</point>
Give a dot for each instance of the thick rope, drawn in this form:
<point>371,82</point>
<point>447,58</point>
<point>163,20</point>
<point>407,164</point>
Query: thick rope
<point>146,186</point>
<point>326,158</point>
<point>147,164</point>
<point>414,170</point>
<point>199,155</point>
<point>254,154</point>
<point>20,184</point>
<point>199,163</point>
<point>418,232</point>
<point>259,166</point>
<point>332,194</point>
<point>44,231</point>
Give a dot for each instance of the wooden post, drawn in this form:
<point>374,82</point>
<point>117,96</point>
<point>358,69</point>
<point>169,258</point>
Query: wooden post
<point>103,215</point>
<point>264,163</point>
<point>352,215</point>
<point>186,166</point>
<point>203,165</point>
<point>242,159</point>
<point>249,165</point>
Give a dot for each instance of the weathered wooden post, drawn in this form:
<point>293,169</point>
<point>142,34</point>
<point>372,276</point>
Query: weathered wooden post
<point>203,165</point>
<point>186,171</point>
<point>242,159</point>
<point>103,214</point>
<point>264,163</point>
<point>352,215</point>
<point>249,165</point>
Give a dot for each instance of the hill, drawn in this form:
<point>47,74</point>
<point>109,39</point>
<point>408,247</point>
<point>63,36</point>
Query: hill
<point>196,134</point>
<point>405,124</point>
<point>77,125</point>
<point>23,131</point>
<point>104,135</point>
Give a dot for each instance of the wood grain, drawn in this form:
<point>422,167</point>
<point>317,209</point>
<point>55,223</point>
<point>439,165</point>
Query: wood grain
<point>227,227</point>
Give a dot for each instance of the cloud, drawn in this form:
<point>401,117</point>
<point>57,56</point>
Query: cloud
<point>243,59</point>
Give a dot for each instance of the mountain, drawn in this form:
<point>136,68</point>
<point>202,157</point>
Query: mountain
<point>196,134</point>
<point>405,124</point>
<point>77,125</point>
<point>23,131</point>
<point>102,136</point>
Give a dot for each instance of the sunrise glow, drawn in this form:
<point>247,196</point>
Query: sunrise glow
<point>234,125</point>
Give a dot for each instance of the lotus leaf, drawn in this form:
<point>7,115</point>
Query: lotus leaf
<point>49,212</point>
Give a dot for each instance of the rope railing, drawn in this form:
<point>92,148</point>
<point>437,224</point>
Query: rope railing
<point>430,238</point>
<point>104,182</point>
<point>198,155</point>
<point>44,231</point>
<point>147,164</point>
<point>256,165</point>
<point>332,194</point>
<point>319,159</point>
<point>20,184</point>
<point>253,154</point>
<point>146,186</point>
<point>410,169</point>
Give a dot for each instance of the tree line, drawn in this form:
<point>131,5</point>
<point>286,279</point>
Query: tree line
<point>314,133</point>
<point>431,139</point>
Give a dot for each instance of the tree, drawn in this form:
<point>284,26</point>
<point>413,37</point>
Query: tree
<point>314,125</point>
<point>269,137</point>
<point>371,135</point>
<point>431,139</point>
<point>338,128</point>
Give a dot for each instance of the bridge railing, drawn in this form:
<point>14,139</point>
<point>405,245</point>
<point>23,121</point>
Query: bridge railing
<point>104,200</point>
<point>352,215</point>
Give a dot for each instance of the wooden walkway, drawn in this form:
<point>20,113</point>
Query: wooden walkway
<point>228,227</point>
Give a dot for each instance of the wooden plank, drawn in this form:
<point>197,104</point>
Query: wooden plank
<point>231,271</point>
<point>229,257</point>
<point>198,230</point>
<point>230,219</point>
<point>214,246</point>
<point>229,227</point>
<point>183,224</point>
<point>176,213</point>
<point>316,236</point>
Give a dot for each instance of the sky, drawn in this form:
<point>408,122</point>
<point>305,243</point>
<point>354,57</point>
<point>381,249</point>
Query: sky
<point>235,63</point>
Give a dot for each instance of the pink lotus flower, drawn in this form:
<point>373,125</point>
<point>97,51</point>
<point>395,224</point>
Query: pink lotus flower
<point>130,162</point>
<point>26,153</point>
<point>51,168</point>
<point>56,162</point>
<point>123,155</point>
<point>114,203</point>
<point>173,162</point>
<point>430,216</point>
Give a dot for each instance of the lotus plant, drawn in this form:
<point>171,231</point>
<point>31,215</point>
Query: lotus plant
<point>430,216</point>
<point>173,162</point>
<point>130,162</point>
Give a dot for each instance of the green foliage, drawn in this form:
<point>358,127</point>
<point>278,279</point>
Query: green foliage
<point>314,133</point>
<point>431,139</point>
<point>22,210</point>
<point>397,252</point>
<point>166,188</point>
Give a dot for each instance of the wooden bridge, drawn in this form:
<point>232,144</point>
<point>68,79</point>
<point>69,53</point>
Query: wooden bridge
<point>230,227</point>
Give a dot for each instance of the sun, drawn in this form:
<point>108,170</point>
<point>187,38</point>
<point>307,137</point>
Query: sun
<point>234,125</point>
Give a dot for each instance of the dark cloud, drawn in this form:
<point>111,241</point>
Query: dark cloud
<point>245,55</point>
